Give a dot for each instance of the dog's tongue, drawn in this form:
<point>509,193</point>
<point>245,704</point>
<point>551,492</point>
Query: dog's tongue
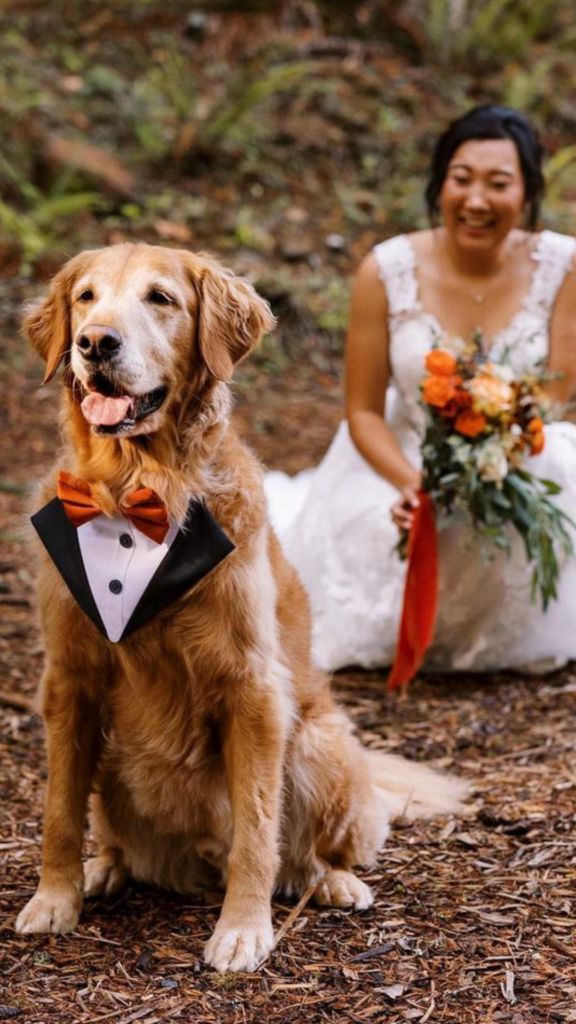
<point>103,411</point>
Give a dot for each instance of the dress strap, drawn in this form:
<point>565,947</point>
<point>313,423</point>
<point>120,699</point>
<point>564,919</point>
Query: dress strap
<point>397,269</point>
<point>554,255</point>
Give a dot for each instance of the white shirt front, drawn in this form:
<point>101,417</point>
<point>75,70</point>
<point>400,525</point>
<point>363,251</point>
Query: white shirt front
<point>119,561</point>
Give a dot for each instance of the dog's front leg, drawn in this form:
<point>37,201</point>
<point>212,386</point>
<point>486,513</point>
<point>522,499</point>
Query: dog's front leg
<point>253,753</point>
<point>72,729</point>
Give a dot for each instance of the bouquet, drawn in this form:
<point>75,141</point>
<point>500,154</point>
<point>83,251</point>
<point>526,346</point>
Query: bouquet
<point>481,424</point>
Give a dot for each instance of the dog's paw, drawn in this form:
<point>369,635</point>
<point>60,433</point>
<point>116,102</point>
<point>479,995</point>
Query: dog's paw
<point>104,874</point>
<point>240,948</point>
<point>342,889</point>
<point>51,910</point>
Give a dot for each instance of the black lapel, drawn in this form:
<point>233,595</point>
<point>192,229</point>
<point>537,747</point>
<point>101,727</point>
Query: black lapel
<point>197,549</point>
<point>60,539</point>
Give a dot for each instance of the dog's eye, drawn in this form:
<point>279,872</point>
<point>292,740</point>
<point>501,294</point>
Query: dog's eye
<point>86,296</point>
<point>159,298</point>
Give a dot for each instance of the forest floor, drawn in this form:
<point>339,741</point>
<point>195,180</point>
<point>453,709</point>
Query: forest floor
<point>473,921</point>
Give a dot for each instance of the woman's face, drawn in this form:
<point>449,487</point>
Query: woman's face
<point>483,194</point>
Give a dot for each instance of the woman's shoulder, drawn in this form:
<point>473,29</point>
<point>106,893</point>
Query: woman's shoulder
<point>554,244</point>
<point>407,248</point>
<point>554,256</point>
<point>394,262</point>
<point>393,253</point>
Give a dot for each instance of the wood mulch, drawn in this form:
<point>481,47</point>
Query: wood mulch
<point>473,921</point>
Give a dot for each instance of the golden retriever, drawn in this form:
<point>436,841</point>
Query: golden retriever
<point>210,747</point>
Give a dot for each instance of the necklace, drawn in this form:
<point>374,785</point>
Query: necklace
<point>480,297</point>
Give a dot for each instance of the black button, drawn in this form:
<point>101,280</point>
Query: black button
<point>126,540</point>
<point>115,586</point>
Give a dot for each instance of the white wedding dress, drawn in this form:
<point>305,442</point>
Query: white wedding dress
<point>335,527</point>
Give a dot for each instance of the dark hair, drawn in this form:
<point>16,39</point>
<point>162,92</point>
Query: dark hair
<point>490,123</point>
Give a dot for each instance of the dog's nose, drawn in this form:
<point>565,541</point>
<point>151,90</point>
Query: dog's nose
<point>98,343</point>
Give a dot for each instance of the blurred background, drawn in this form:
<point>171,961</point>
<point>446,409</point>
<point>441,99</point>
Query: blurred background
<point>286,137</point>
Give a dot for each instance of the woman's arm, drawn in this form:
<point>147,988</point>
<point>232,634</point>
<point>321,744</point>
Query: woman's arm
<point>367,375</point>
<point>562,345</point>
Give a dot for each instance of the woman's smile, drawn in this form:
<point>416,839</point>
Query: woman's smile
<point>482,197</point>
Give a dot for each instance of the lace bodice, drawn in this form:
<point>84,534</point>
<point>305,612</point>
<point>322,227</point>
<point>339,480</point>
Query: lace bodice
<point>413,330</point>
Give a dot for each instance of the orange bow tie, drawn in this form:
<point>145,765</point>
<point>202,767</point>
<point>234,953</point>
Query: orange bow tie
<point>143,507</point>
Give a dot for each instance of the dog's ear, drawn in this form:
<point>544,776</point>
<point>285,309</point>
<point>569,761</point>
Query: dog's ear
<point>47,323</point>
<point>232,317</point>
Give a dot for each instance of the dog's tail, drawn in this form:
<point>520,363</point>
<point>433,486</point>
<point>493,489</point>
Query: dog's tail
<point>414,790</point>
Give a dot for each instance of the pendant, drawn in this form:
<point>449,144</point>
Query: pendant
<point>479,299</point>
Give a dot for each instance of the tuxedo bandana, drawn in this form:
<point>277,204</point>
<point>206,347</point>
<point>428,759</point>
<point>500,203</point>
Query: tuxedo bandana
<point>118,573</point>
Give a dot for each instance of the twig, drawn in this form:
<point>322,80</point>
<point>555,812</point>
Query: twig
<point>144,1012</point>
<point>432,1006</point>
<point>292,916</point>
<point>355,1016</point>
<point>507,987</point>
<point>295,912</point>
<point>134,1016</point>
<point>542,748</point>
<point>98,938</point>
<point>561,947</point>
<point>370,953</point>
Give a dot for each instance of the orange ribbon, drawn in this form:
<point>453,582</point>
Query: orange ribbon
<point>420,595</point>
<point>143,507</point>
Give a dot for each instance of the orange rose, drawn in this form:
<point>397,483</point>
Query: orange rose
<point>463,398</point>
<point>535,426</point>
<point>438,391</point>
<point>450,410</point>
<point>470,423</point>
<point>440,363</point>
<point>536,442</point>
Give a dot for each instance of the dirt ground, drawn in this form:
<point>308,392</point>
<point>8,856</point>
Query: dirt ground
<point>473,920</point>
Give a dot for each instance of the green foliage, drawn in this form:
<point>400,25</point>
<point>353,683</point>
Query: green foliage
<point>560,171</point>
<point>250,234</point>
<point>229,121</point>
<point>159,103</point>
<point>334,316</point>
<point>40,223</point>
<point>476,32</point>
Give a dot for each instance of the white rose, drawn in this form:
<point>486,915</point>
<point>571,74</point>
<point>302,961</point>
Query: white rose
<point>501,371</point>
<point>491,462</point>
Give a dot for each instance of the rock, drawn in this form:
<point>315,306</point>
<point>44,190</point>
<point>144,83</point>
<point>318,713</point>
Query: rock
<point>335,243</point>
<point>196,24</point>
<point>296,249</point>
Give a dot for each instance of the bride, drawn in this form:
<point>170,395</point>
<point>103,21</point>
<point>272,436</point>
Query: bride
<point>481,266</point>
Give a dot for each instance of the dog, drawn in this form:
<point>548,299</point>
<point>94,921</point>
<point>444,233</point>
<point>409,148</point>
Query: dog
<point>179,697</point>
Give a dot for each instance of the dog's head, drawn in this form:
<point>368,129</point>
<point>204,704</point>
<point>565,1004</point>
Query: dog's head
<point>140,327</point>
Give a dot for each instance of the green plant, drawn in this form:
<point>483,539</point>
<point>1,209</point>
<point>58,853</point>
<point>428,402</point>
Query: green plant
<point>487,31</point>
<point>227,120</point>
<point>559,172</point>
<point>159,102</point>
<point>37,228</point>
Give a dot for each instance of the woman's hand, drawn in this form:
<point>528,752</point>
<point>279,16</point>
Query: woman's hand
<point>402,511</point>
